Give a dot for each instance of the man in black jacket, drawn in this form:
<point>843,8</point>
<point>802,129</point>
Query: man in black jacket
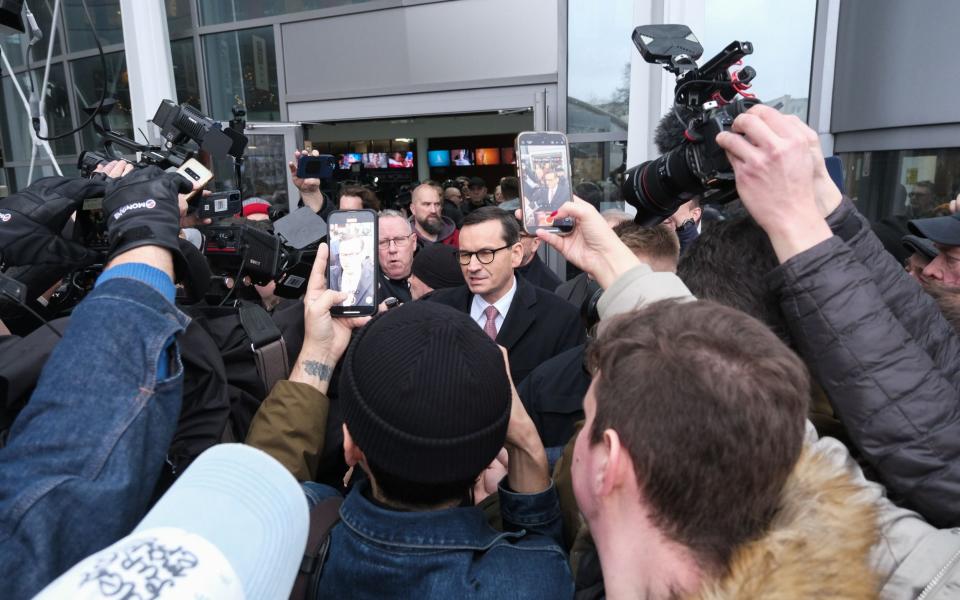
<point>532,324</point>
<point>533,268</point>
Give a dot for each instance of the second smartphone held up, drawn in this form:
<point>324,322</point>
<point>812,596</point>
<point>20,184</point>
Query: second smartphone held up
<point>543,166</point>
<point>353,261</point>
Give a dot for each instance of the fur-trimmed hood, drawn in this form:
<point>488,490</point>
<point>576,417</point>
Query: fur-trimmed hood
<point>818,545</point>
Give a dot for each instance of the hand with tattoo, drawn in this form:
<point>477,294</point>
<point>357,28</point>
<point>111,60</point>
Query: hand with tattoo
<point>325,338</point>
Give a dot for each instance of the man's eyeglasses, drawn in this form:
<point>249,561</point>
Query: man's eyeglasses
<point>485,256</point>
<point>401,242</point>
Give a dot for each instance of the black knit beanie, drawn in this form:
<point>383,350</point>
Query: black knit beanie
<point>425,395</point>
<point>436,265</point>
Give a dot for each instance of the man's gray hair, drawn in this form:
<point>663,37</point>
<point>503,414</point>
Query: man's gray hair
<point>390,213</point>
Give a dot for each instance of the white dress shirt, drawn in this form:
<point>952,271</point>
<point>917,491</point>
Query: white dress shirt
<point>503,305</point>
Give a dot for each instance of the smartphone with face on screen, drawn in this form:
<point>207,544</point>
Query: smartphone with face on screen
<point>543,166</point>
<point>352,269</point>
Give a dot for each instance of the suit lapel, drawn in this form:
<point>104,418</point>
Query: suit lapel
<point>520,316</point>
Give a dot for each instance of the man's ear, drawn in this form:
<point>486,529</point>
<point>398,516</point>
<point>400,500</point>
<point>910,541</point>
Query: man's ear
<point>352,454</point>
<point>697,212</point>
<point>516,255</point>
<point>613,465</point>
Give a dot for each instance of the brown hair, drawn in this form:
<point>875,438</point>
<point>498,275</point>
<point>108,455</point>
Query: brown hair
<point>659,245</point>
<point>710,406</point>
<point>367,197</point>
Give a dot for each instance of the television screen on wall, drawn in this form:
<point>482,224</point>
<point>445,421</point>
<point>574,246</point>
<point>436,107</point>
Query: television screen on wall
<point>375,160</point>
<point>350,158</point>
<point>508,156</point>
<point>461,157</point>
<point>438,158</point>
<point>487,156</point>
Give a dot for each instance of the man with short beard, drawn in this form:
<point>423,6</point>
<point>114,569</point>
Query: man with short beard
<point>429,224</point>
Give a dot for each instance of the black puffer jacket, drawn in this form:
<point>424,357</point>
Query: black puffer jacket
<point>886,358</point>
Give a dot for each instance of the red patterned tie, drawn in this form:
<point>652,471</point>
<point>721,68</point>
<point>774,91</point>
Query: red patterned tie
<point>490,327</point>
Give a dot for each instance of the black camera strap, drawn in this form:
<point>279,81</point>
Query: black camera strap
<point>266,343</point>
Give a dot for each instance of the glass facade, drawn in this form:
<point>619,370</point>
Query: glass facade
<point>89,80</point>
<point>599,51</point>
<point>241,68</point>
<point>16,132</point>
<point>597,171</point>
<point>106,18</point>
<point>12,49</point>
<point>43,13</point>
<point>213,12</point>
<point>264,170</point>
<point>56,107</point>
<point>902,183</point>
<point>185,74</point>
<point>179,22</point>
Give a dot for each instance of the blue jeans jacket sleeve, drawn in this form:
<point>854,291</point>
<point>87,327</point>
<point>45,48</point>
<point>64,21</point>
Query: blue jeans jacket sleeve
<point>536,513</point>
<point>84,455</point>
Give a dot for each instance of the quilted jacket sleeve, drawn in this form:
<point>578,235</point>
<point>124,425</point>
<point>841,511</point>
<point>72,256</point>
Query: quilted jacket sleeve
<point>897,403</point>
<point>914,308</point>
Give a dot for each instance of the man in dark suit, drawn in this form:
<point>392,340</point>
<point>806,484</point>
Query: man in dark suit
<point>531,323</point>
<point>352,273</point>
<point>550,196</point>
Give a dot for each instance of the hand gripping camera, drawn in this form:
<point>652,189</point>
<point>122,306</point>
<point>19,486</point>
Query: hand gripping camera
<point>705,103</point>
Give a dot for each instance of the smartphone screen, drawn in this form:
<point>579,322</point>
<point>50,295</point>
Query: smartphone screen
<point>353,261</point>
<point>316,167</point>
<point>544,170</point>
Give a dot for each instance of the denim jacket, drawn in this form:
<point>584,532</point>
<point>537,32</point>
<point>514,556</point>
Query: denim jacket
<point>84,455</point>
<point>376,552</point>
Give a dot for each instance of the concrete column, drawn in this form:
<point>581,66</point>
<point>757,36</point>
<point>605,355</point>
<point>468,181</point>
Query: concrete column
<point>149,63</point>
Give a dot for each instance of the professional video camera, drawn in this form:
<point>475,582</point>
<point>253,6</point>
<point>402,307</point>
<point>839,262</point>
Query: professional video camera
<point>708,96</point>
<point>185,131</point>
<point>284,255</point>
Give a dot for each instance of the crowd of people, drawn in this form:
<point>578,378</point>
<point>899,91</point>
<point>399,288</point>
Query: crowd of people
<point>760,405</point>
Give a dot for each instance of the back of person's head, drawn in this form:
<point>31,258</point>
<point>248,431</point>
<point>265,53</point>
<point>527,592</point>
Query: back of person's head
<point>437,266</point>
<point>728,264</point>
<point>511,228</point>
<point>368,197</point>
<point>615,216</point>
<point>431,411</point>
<point>510,188</point>
<point>589,192</point>
<point>710,407</point>
<point>658,246</point>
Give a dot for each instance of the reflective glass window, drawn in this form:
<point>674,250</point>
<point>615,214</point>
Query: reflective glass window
<point>241,68</point>
<point>227,11</point>
<point>106,18</point>
<point>185,72</point>
<point>89,80</point>
<point>597,171</point>
<point>56,107</point>
<point>178,18</point>
<point>15,127</point>
<point>264,170</point>
<point>13,49</point>
<point>16,123</point>
<point>899,185</point>
<point>43,12</point>
<point>599,50</point>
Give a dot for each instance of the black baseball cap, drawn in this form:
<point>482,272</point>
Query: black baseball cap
<point>941,230</point>
<point>476,182</point>
<point>920,245</point>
